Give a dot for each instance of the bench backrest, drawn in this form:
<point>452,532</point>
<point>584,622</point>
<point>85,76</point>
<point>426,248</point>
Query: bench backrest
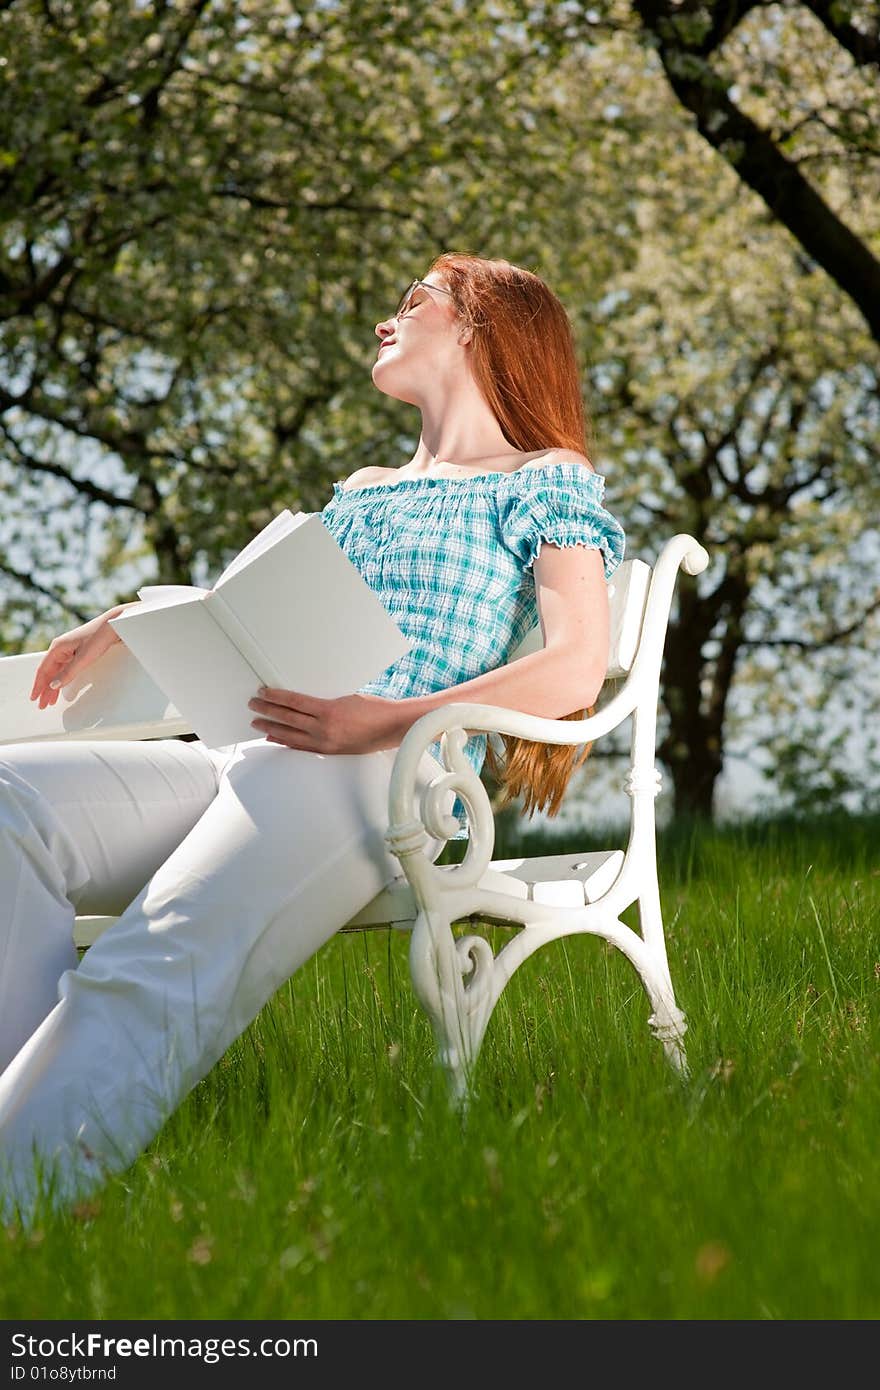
<point>627,595</point>
<point>115,698</point>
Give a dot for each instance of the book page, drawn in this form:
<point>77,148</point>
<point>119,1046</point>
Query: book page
<point>169,593</point>
<point>313,623</point>
<point>193,661</point>
<point>279,526</point>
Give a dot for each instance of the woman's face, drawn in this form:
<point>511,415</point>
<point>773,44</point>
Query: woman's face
<point>421,343</point>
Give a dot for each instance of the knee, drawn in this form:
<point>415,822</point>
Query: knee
<point>20,803</point>
<point>31,829</point>
<point>26,816</point>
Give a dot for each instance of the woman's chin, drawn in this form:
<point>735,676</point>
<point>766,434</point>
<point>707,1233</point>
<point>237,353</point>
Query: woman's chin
<point>391,383</point>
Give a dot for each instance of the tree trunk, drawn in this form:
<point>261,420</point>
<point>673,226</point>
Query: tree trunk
<point>696,688</point>
<point>690,748</point>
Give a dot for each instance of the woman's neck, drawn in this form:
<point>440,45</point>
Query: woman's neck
<point>459,426</point>
<point>425,462</point>
<point>464,437</point>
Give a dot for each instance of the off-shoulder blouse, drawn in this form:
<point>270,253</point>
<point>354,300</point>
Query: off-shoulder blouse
<point>452,558</point>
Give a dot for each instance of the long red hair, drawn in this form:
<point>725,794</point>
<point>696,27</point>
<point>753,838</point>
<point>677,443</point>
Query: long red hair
<point>524,361</point>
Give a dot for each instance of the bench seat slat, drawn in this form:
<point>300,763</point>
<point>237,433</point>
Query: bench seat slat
<point>563,880</point>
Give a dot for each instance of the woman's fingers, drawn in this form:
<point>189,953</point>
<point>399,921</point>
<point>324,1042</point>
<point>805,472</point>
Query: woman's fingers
<point>270,722</point>
<point>283,718</point>
<point>289,711</point>
<point>58,669</point>
<point>283,733</point>
<point>282,724</point>
<point>53,667</point>
<point>293,700</point>
<point>52,689</point>
<point>53,660</point>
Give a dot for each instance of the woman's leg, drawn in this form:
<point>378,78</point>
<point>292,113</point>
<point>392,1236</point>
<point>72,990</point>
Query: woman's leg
<point>291,847</point>
<point>83,826</point>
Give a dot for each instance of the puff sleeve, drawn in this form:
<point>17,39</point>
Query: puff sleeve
<point>562,506</point>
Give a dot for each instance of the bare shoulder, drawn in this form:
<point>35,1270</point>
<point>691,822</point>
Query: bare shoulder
<point>550,456</point>
<point>363,477</point>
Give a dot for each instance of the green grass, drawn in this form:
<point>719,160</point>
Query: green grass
<point>318,1172</point>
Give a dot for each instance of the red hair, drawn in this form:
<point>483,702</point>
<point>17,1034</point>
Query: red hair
<point>524,361</point>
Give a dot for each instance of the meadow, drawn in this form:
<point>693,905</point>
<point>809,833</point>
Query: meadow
<point>318,1171</point>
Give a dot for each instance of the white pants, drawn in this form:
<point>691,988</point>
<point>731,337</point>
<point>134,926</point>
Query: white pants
<point>230,870</point>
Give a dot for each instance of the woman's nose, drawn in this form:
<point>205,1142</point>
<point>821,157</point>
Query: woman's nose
<point>384,328</point>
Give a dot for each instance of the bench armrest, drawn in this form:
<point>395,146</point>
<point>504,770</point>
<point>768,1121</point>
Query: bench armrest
<point>453,723</point>
<point>114,698</point>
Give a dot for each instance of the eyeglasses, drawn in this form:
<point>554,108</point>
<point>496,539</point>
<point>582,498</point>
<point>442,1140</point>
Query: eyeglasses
<point>405,303</point>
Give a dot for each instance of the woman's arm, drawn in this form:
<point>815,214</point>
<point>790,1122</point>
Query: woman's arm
<point>566,676</point>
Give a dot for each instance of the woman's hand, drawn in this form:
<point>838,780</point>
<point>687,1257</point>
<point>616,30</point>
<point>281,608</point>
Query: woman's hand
<point>71,653</point>
<point>351,724</point>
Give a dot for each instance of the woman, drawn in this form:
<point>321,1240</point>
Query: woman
<point>233,867</point>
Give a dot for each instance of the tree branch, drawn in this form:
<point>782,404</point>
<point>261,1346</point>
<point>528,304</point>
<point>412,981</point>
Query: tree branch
<point>25,298</point>
<point>725,17</point>
<point>831,638</point>
<point>29,583</point>
<point>863,48</point>
<point>150,99</point>
<point>340,204</point>
<point>126,444</point>
<point>82,485</point>
<point>752,152</point>
<point>727,439</point>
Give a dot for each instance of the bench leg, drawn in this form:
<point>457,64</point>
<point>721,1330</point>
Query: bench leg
<point>453,980</point>
<point>458,982</point>
<point>667,1023</point>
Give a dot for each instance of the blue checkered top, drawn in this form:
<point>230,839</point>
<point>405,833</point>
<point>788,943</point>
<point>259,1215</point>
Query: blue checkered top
<point>451,559</point>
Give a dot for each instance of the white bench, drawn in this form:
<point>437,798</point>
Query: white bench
<point>457,978</point>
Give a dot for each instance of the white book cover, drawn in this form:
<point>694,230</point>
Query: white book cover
<point>290,611</point>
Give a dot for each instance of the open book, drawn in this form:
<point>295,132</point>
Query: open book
<point>291,611</point>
